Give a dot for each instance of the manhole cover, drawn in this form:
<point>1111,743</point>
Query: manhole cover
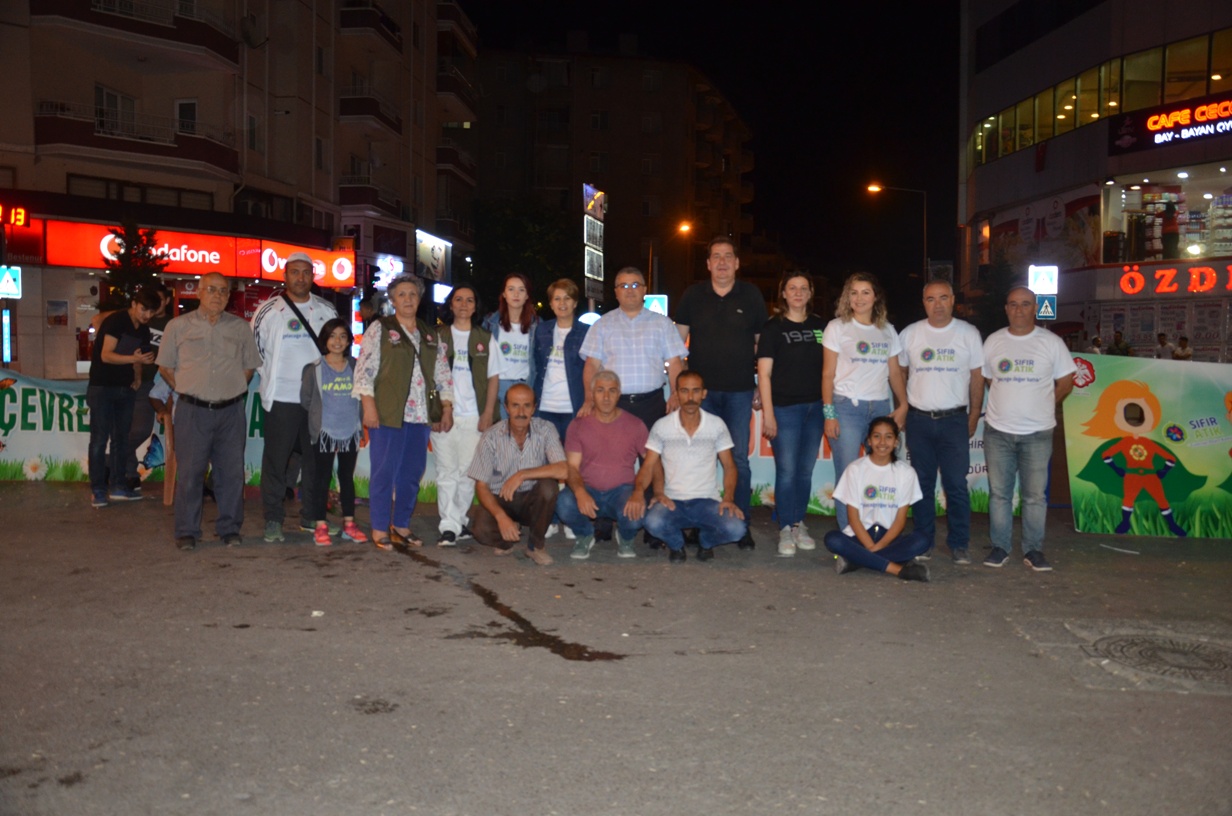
<point>1167,656</point>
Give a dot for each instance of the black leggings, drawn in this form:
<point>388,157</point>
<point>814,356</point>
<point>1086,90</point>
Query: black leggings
<point>316,493</point>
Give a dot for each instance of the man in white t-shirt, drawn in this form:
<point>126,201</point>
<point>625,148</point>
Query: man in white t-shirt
<point>1029,372</point>
<point>686,442</point>
<point>286,346</point>
<point>945,393</point>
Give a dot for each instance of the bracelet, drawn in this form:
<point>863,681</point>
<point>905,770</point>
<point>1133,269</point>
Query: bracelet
<point>828,412</point>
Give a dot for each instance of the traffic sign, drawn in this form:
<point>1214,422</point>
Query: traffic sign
<point>656,303</point>
<point>1045,307</point>
<point>10,282</point>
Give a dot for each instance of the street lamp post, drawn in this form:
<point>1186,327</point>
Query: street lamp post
<point>877,188</point>
<point>652,274</point>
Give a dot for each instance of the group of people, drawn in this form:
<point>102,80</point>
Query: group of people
<point>1163,350</point>
<point>518,406</point>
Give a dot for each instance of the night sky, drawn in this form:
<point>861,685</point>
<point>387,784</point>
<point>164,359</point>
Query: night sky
<point>832,104</point>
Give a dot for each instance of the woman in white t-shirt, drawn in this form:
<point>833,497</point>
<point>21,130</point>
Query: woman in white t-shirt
<point>860,372</point>
<point>512,326</point>
<point>877,490</point>
<point>555,349</point>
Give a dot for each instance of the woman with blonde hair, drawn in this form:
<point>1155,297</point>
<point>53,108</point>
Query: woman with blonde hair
<point>860,372</point>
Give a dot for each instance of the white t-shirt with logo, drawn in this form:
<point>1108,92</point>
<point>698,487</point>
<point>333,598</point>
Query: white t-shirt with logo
<point>877,491</point>
<point>689,461</point>
<point>864,352</point>
<point>464,401</point>
<point>555,398</point>
<point>510,357</point>
<point>1022,373</point>
<point>940,363</point>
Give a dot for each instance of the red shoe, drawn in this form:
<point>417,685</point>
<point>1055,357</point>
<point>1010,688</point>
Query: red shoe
<point>351,532</point>
<point>321,534</point>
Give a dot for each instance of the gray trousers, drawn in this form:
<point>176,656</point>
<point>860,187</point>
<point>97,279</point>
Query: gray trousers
<point>204,438</point>
<point>286,432</point>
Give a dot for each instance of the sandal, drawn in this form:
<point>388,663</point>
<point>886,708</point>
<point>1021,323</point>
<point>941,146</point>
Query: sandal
<point>408,540</point>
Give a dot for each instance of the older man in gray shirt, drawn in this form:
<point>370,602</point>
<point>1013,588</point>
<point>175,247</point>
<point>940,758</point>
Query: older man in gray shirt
<point>208,357</point>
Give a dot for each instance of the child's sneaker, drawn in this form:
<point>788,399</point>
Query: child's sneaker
<point>351,532</point>
<point>321,534</point>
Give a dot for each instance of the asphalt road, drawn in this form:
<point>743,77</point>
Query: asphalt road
<point>291,679</point>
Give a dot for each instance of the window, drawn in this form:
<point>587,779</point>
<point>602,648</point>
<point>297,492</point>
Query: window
<point>1026,123</point>
<point>1221,60</point>
<point>598,120</point>
<point>651,207</point>
<point>1110,87</point>
<point>8,178</point>
<point>652,123</point>
<point>186,115</point>
<point>1007,131</point>
<point>652,80</point>
<point>319,59</point>
<point>650,164</point>
<point>1141,86</point>
<point>1185,76</point>
<point>114,190</point>
<point>253,142</point>
<point>600,78</point>
<point>1064,106</point>
<point>1088,98</point>
<point>318,153</point>
<point>418,191</point>
<point>113,111</point>
<point>1043,115</point>
<point>598,162</point>
<point>556,72</point>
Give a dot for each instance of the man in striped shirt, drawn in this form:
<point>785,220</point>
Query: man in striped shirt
<point>517,467</point>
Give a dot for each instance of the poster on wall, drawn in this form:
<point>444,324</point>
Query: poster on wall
<point>45,435</point>
<point>1141,334</point>
<point>1174,320</point>
<point>57,313</point>
<point>1207,327</point>
<point>1112,320</point>
<point>1147,443</point>
<point>1062,230</point>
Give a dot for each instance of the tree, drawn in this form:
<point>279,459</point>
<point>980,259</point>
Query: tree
<point>135,265</point>
<point>544,243</point>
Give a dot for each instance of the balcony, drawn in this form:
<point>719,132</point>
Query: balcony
<point>453,225</point>
<point>365,191</point>
<point>360,104</point>
<point>178,34</point>
<point>86,126</point>
<point>366,17</point>
<point>452,158</point>
<point>455,93</point>
<point>450,16</point>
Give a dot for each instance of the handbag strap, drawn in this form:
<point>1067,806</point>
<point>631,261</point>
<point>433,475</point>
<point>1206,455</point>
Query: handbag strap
<point>303,320</point>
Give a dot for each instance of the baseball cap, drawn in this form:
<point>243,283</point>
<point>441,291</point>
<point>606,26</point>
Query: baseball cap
<point>299,256</point>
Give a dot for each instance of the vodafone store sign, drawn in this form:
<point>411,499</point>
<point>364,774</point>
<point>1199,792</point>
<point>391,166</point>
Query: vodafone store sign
<point>90,246</point>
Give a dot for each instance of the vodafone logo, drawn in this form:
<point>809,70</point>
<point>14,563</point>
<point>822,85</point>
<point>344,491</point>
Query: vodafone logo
<point>342,269</point>
<point>272,262</point>
<point>110,247</point>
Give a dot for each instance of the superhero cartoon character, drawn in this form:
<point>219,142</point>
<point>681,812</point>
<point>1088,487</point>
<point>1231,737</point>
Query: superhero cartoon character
<point>1127,410</point>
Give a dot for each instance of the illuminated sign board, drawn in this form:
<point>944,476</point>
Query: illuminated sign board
<point>433,256</point>
<point>13,216</point>
<point>655,303</point>
<point>329,269</point>
<point>1142,280</point>
<point>1190,121</point>
<point>1042,280</point>
<point>10,282</point>
<point>594,211</point>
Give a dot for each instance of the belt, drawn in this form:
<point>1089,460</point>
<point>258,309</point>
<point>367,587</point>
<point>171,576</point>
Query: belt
<point>632,398</point>
<point>962,409</point>
<point>213,406</point>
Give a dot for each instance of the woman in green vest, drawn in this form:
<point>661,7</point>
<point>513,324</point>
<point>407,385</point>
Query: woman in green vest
<point>402,379</point>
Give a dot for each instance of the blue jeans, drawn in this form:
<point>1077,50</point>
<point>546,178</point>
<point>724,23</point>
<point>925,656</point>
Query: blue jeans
<point>904,548</point>
<point>1025,456</point>
<point>941,443</point>
<point>111,416</point>
<point>700,513</point>
<point>796,446</point>
<point>608,504</point>
<point>735,408</point>
<point>853,422</point>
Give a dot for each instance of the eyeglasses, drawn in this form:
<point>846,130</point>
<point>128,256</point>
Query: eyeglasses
<point>630,285</point>
<point>217,290</point>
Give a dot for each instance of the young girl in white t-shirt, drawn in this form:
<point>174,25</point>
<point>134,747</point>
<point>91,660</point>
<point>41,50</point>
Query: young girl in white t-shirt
<point>877,489</point>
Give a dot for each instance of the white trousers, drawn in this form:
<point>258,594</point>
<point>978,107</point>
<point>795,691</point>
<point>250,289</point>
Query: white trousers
<point>454,489</point>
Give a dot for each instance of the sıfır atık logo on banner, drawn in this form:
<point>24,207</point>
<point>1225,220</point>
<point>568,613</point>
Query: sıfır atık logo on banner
<point>272,262</point>
<point>111,247</point>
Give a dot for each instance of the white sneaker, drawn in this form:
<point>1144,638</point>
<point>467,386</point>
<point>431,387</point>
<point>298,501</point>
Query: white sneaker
<point>802,538</point>
<point>551,531</point>
<point>787,544</point>
<point>568,533</point>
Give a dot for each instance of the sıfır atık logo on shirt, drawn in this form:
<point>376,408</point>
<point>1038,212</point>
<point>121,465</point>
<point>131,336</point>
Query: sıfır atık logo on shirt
<point>1007,366</point>
<point>293,324</point>
<point>941,355</point>
<point>870,492</point>
<point>863,347</point>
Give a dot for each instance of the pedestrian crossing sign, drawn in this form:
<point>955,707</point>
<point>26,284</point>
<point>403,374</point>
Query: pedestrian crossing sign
<point>10,282</point>
<point>1045,307</point>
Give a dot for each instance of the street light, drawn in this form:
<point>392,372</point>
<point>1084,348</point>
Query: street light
<point>652,275</point>
<point>875,188</point>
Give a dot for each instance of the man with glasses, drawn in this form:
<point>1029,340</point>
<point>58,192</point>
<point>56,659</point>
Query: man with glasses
<point>285,328</point>
<point>724,316</point>
<point>207,357</point>
<point>1029,372</point>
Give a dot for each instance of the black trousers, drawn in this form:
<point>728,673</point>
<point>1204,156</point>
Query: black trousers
<point>286,431</point>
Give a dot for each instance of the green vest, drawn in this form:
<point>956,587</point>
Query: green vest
<point>478,348</point>
<point>392,386</point>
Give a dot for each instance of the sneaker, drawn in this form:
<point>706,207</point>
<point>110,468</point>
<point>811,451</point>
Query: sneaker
<point>996,558</point>
<point>320,535</point>
<point>351,532</point>
<point>1035,560</point>
<point>447,539</point>
<point>273,531</point>
<point>927,555</point>
<point>552,530</point>
<point>581,550</point>
<point>124,494</point>
<point>99,499</point>
<point>133,483</point>
<point>677,556</point>
<point>466,534</point>
<point>232,540</point>
<point>842,566</point>
<point>186,543</point>
<point>306,526</point>
<point>624,549</point>
<point>568,533</point>
<point>747,542</point>
<point>961,556</point>
<point>914,572</point>
<point>804,541</point>
<point>787,542</point>
<point>540,556</point>
<point>705,553</point>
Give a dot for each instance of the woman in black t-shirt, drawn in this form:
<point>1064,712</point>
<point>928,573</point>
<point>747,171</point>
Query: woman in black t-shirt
<point>789,359</point>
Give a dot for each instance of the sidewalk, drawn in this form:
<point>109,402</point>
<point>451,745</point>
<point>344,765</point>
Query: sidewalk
<point>291,679</point>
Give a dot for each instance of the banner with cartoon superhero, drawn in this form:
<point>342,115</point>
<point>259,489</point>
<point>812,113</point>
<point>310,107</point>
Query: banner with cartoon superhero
<point>1149,444</point>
